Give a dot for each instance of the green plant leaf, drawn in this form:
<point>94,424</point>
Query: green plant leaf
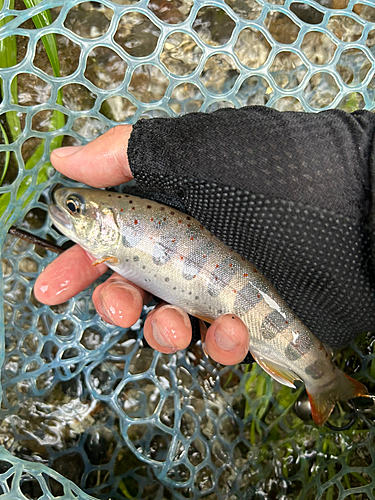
<point>41,20</point>
<point>8,58</point>
<point>25,183</point>
<point>7,154</point>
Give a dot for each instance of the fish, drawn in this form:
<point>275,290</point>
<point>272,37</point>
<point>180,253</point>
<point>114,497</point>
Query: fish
<point>173,256</point>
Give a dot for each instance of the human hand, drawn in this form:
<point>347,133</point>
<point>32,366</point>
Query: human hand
<point>290,192</point>
<point>103,163</point>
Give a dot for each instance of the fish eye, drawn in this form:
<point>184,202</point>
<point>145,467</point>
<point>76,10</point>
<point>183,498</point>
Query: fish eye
<point>75,204</point>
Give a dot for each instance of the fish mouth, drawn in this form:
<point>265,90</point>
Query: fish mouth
<point>59,217</point>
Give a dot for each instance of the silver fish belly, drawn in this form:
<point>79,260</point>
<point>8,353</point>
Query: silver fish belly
<point>173,256</point>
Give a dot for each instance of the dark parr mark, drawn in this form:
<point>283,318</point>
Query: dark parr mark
<point>301,345</point>
<point>196,259</point>
<point>273,324</point>
<point>315,370</point>
<point>164,250</point>
<point>132,232</point>
<point>246,299</point>
<point>222,276</point>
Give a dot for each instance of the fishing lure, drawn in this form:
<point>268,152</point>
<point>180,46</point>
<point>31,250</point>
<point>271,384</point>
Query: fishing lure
<point>174,257</point>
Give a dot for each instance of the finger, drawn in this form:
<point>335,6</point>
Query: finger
<point>100,163</point>
<point>227,340</point>
<point>120,302</point>
<point>70,273</point>
<point>168,329</point>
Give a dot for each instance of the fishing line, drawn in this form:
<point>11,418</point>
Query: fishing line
<point>31,238</point>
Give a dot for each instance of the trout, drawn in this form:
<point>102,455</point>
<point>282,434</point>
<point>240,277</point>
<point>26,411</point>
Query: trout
<point>171,255</point>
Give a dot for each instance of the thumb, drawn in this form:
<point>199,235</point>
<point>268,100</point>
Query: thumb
<point>100,163</point>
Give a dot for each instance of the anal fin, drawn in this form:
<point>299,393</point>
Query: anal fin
<point>276,371</point>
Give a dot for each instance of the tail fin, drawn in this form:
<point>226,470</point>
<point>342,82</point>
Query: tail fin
<point>343,388</point>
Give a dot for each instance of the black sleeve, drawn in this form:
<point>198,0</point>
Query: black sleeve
<point>290,192</point>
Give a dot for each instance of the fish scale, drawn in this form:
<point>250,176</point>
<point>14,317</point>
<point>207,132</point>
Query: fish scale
<point>171,255</point>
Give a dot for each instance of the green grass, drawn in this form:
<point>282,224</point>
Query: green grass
<point>7,154</point>
<point>8,58</point>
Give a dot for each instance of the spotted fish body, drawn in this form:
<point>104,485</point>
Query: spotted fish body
<point>174,257</point>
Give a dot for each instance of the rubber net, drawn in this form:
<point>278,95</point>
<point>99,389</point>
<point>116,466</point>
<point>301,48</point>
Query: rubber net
<point>87,410</point>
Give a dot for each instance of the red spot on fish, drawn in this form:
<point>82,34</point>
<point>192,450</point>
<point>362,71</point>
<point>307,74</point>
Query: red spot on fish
<point>152,219</point>
<point>230,265</point>
<point>122,210</point>
<point>192,238</point>
<point>245,275</point>
<point>159,222</point>
<point>258,295</point>
<point>188,225</point>
<point>204,255</point>
<point>133,208</point>
<point>174,239</point>
<point>164,218</point>
<point>217,265</point>
<point>179,222</point>
<point>148,206</point>
<point>216,279</point>
<point>202,227</point>
<point>181,257</point>
<point>135,222</point>
<point>255,271</point>
<point>286,322</point>
<point>234,291</point>
<point>194,276</point>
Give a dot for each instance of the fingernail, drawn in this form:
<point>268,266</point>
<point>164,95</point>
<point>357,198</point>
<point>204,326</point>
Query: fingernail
<point>67,151</point>
<point>160,335</point>
<point>109,308</point>
<point>225,340</point>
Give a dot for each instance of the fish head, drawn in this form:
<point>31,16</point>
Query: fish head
<point>85,217</point>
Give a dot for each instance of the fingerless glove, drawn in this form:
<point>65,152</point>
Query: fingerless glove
<point>290,192</point>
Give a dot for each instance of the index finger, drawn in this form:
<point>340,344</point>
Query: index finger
<point>102,162</point>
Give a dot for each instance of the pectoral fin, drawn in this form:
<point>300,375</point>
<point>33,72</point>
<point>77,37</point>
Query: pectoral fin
<point>276,371</point>
<point>110,259</point>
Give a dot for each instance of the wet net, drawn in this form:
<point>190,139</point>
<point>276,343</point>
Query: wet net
<point>88,411</point>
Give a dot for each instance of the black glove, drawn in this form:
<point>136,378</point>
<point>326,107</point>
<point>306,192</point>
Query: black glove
<point>290,192</point>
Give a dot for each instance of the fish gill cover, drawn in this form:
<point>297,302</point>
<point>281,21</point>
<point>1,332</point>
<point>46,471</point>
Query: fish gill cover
<point>87,410</point>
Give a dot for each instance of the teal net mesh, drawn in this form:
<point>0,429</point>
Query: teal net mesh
<point>87,410</point>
